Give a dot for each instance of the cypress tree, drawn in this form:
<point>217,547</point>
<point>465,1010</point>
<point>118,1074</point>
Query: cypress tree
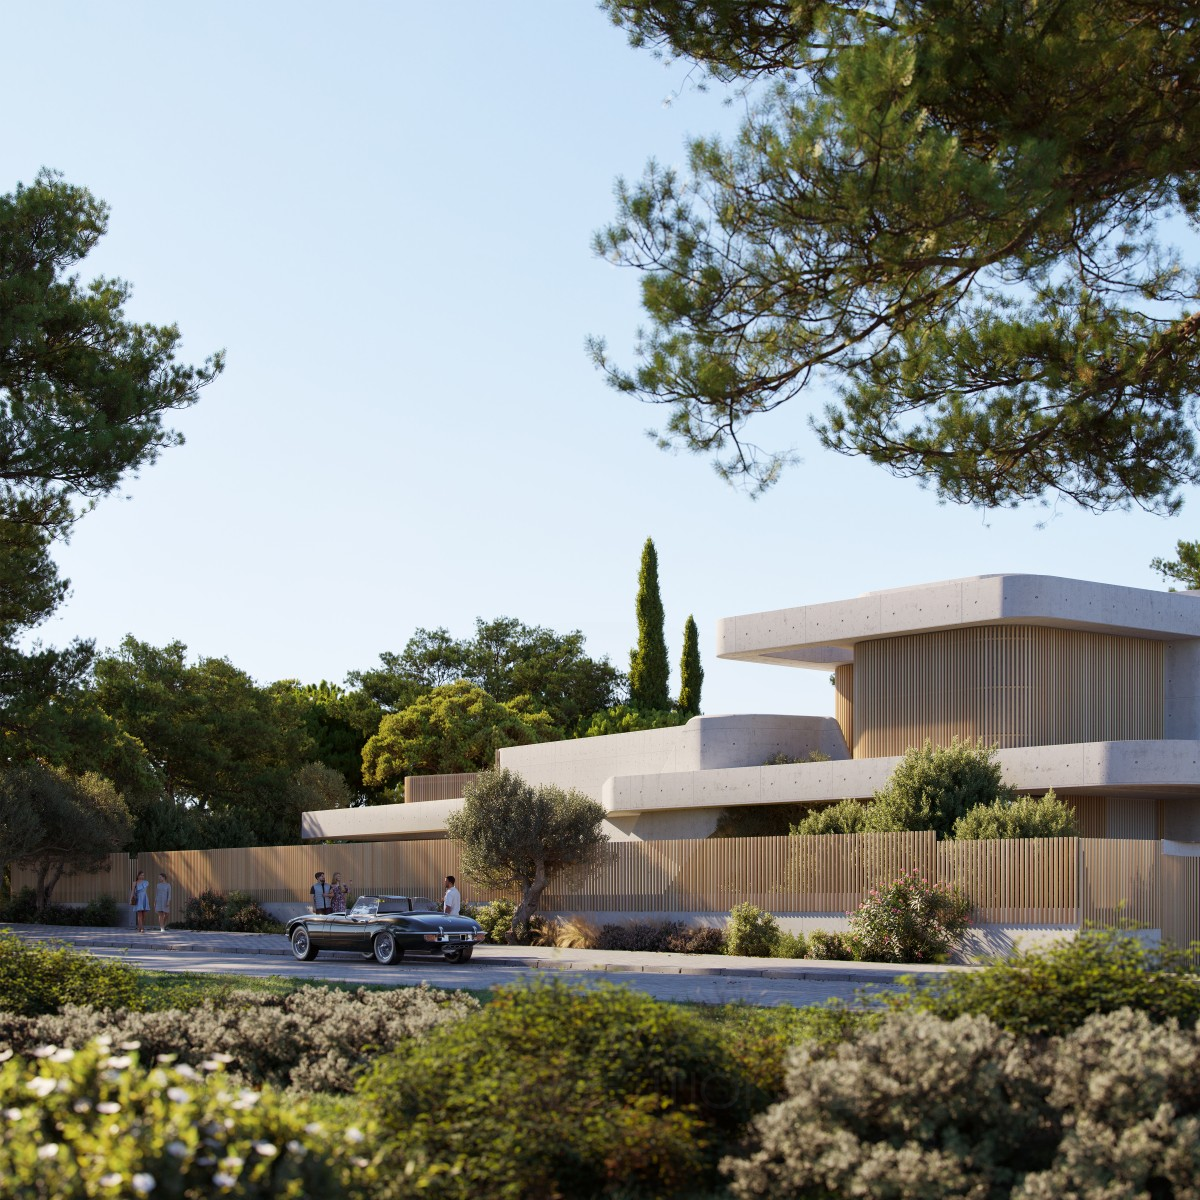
<point>691,673</point>
<point>648,669</point>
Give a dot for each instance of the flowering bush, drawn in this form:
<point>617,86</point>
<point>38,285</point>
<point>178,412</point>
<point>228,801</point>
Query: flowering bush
<point>316,1039</point>
<point>910,921</point>
<point>94,1123</point>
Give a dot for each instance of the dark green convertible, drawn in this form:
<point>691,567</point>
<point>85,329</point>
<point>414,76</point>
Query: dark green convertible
<point>386,928</point>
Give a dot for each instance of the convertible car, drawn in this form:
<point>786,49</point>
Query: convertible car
<point>386,928</point>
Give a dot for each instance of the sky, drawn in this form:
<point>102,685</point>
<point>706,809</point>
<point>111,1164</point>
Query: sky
<point>383,213</point>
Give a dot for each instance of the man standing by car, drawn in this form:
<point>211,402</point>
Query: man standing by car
<point>452,901</point>
<point>322,902</point>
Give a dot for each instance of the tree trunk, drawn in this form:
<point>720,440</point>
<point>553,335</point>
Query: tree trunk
<point>529,904</point>
<point>49,873</point>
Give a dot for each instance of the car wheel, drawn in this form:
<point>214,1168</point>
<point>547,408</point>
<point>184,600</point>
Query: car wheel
<point>302,946</point>
<point>460,954</point>
<point>386,951</point>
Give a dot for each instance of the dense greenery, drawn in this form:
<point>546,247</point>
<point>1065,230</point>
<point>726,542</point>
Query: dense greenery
<point>960,216</point>
<point>550,1091</point>
<point>41,977</point>
<point>624,718</point>
<point>1054,990</point>
<point>22,908</point>
<point>235,912</point>
<point>931,788</point>
<point>455,727</point>
<point>910,921</point>
<point>1020,817</point>
<point>83,396</point>
<point>58,824</point>
<point>515,835</point>
<point>691,673</point>
<point>648,668</point>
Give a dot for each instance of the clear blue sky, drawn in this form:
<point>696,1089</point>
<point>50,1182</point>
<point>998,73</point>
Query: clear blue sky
<point>383,212</point>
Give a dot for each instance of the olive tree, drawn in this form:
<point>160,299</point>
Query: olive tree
<point>516,835</point>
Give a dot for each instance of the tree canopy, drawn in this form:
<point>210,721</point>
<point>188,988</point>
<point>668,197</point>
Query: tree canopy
<point>455,727</point>
<point>648,669</point>
<point>513,834</point>
<point>960,216</point>
<point>505,658</point>
<point>1184,568</point>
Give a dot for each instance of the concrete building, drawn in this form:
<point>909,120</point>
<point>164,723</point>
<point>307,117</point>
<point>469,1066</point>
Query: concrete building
<point>1089,688</point>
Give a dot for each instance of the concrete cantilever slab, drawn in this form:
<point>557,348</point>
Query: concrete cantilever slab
<point>819,636</point>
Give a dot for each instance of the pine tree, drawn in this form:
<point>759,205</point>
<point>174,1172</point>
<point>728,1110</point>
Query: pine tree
<point>691,673</point>
<point>648,663</point>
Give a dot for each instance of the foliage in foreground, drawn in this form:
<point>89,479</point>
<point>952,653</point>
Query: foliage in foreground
<point>1054,990</point>
<point>95,1123</point>
<point>921,1109</point>
<point>315,1039</point>
<point>551,1091</point>
<point>41,977</point>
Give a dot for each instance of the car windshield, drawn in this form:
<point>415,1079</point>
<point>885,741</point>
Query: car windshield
<point>424,904</point>
<point>367,906</point>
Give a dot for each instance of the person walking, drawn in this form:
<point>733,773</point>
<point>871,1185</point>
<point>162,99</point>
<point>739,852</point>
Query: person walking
<point>162,901</point>
<point>320,894</point>
<point>339,892</point>
<point>452,900</point>
<point>139,897</point>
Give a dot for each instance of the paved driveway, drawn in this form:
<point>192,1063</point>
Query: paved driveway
<point>709,979</point>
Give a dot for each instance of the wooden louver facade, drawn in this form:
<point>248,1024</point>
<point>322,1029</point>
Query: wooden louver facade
<point>1011,685</point>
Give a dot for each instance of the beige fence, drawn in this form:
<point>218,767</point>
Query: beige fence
<point>1035,881</point>
<point>419,788</point>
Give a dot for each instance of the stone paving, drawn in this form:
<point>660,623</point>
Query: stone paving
<point>703,978</point>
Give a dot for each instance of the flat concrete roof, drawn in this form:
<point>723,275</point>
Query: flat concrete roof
<point>822,636</point>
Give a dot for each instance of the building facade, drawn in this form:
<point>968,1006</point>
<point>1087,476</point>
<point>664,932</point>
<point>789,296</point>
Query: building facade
<point>1089,688</point>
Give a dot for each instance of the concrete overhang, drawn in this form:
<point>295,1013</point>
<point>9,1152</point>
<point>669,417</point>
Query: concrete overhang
<point>821,636</point>
<point>1148,770</point>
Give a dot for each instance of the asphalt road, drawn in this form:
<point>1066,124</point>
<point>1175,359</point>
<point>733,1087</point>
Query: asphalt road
<point>704,989</point>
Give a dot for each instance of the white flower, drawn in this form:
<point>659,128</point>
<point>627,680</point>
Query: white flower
<point>5,1055</point>
<point>108,1107</point>
<point>103,1040</point>
<point>187,1072</point>
<point>44,1051</point>
<point>314,1127</point>
<point>62,1055</point>
<point>354,1135</point>
<point>297,1148</point>
<point>118,1062</point>
<point>222,1058</point>
<point>178,1095</point>
<point>112,1179</point>
<point>165,1058</point>
<point>231,1162</point>
<point>265,1149</point>
<point>135,1046</point>
<point>81,1106</point>
<point>211,1065</point>
<point>223,1181</point>
<point>177,1149</point>
<point>41,1086</point>
<point>49,1150</point>
<point>143,1183</point>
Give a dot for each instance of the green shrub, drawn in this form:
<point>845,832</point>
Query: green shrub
<point>751,932</point>
<point>924,1109</point>
<point>668,937</point>
<point>94,1123</point>
<point>42,977</point>
<point>1054,990</point>
<point>495,916</point>
<point>1024,817</point>
<point>315,1039</point>
<point>553,1091</point>
<point>789,945</point>
<point>846,816</point>
<point>910,921</point>
<point>237,912</point>
<point>22,909</point>
<point>917,1109</point>
<point>831,946</point>
<point>933,786</point>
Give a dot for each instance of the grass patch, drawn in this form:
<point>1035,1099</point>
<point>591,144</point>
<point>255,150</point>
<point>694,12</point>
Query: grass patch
<point>158,990</point>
